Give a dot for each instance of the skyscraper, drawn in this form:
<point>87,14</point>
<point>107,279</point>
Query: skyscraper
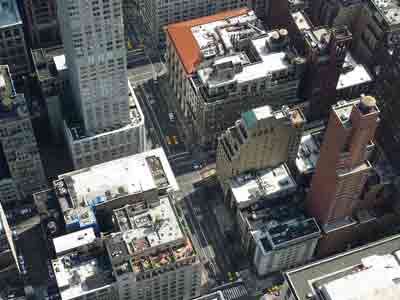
<point>93,35</point>
<point>21,161</point>
<point>262,138</point>
<point>342,168</point>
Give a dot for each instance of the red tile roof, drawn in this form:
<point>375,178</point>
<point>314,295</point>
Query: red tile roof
<point>185,44</point>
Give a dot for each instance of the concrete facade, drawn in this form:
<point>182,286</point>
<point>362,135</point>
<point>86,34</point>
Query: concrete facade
<point>110,123</point>
<point>262,138</point>
<point>13,50</point>
<point>42,23</point>
<point>21,153</point>
<point>214,88</point>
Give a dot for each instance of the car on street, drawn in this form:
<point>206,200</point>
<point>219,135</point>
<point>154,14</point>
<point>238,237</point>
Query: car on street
<point>14,234</point>
<point>196,165</point>
<point>171,116</point>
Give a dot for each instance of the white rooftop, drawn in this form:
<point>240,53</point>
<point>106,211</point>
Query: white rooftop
<point>9,14</point>
<point>60,63</point>
<point>301,21</point>
<point>74,240</point>
<point>166,231</point>
<point>217,42</point>
<point>124,176</point>
<point>248,188</point>
<point>379,280</point>
<point>263,112</point>
<point>357,74</point>
<point>270,62</point>
<point>77,279</point>
<point>308,154</point>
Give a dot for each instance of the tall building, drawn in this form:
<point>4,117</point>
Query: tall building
<point>388,89</point>
<point>21,154</point>
<point>125,240</point>
<point>8,255</point>
<point>326,49</point>
<point>151,256</point>
<point>42,23</point>
<point>82,268</point>
<point>373,23</point>
<point>52,75</point>
<point>112,184</point>
<point>157,15</point>
<point>110,123</point>
<point>370,272</point>
<point>273,228</point>
<point>343,168</point>
<point>223,65</point>
<point>13,50</point>
<point>335,12</point>
<point>262,138</point>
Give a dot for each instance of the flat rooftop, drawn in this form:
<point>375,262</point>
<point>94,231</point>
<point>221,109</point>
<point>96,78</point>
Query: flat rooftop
<point>382,273</point>
<point>388,9</point>
<point>149,227</point>
<point>294,115</point>
<point>77,276</point>
<point>353,73</point>
<point>152,239</point>
<point>269,183</point>
<point>74,240</point>
<point>305,280</point>
<point>121,177</point>
<point>309,149</point>
<point>277,224</point>
<point>9,13</point>
<point>301,20</point>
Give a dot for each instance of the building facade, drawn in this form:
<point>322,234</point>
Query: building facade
<point>325,49</point>
<point>18,142</point>
<point>153,254</point>
<point>9,268</point>
<point>13,50</point>
<point>273,228</point>
<point>157,15</point>
<point>343,168</point>
<point>262,138</point>
<point>42,23</point>
<point>218,72</point>
<point>93,35</point>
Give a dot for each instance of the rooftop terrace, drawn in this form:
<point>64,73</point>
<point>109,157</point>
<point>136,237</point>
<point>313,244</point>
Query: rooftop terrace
<point>305,280</point>
<point>270,183</point>
<point>77,275</point>
<point>151,238</point>
<point>9,13</point>
<point>118,178</point>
